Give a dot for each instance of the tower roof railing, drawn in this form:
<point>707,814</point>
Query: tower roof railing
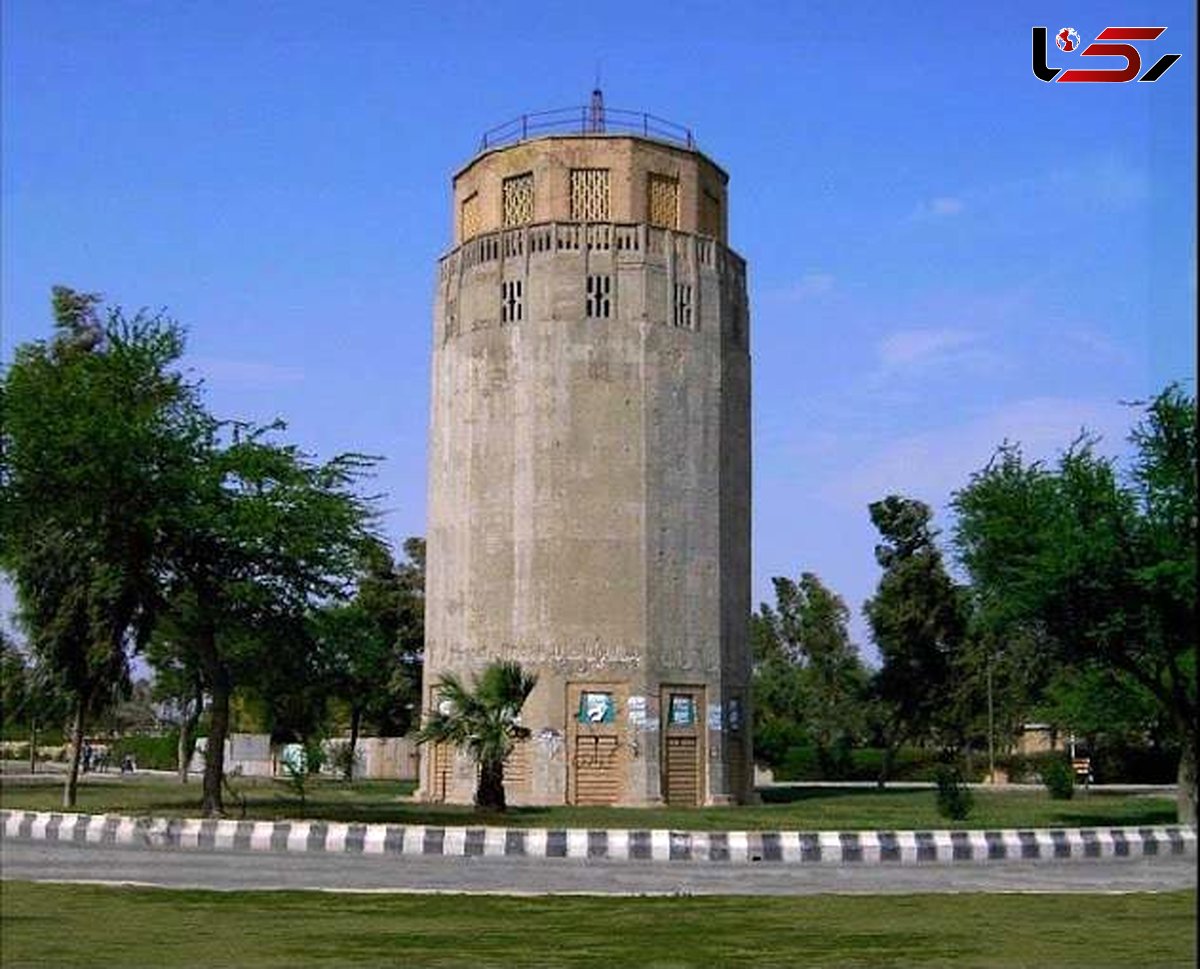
<point>586,120</point>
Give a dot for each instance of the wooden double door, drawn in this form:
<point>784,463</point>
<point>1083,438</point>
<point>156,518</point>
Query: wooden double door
<point>683,719</point>
<point>598,752</point>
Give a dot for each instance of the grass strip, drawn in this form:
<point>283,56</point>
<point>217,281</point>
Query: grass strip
<point>804,809</point>
<point>78,925</point>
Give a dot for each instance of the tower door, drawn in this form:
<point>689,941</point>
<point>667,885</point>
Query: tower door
<point>443,766</point>
<point>597,771</point>
<point>597,777</point>
<point>683,739</point>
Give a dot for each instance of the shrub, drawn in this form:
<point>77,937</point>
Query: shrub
<point>341,761</point>
<point>1059,779</point>
<point>806,763</point>
<point>302,763</point>
<point>149,753</point>
<point>1126,764</point>
<point>954,799</point>
<point>12,750</point>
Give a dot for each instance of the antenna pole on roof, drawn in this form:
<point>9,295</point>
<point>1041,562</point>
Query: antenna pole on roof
<point>596,109</point>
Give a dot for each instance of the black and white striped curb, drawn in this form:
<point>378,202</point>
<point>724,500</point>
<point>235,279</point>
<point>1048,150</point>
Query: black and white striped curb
<point>817,847</point>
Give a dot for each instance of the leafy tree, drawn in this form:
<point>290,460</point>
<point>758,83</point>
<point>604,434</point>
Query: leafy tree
<point>29,697</point>
<point>371,646</point>
<point>14,685</point>
<point>263,536</point>
<point>777,688</point>
<point>94,426</point>
<point>178,685</point>
<point>918,619</point>
<point>1101,565</point>
<point>484,721</point>
<point>410,637</point>
<point>1099,704</point>
<point>807,671</point>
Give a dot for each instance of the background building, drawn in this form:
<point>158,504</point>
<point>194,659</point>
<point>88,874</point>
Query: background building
<point>589,474</point>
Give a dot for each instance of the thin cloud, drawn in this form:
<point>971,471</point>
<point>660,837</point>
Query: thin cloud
<point>942,206</point>
<point>908,349</point>
<point>245,373</point>
<point>932,464</point>
<point>810,285</point>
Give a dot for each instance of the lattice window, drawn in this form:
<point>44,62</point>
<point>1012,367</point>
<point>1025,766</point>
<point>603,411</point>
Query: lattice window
<point>599,292</point>
<point>589,194</point>
<point>518,199</point>
<point>683,305</point>
<point>710,215</point>
<point>469,216</point>
<point>510,301</point>
<point>662,201</point>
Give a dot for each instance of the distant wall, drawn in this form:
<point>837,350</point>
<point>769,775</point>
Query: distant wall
<point>379,758</point>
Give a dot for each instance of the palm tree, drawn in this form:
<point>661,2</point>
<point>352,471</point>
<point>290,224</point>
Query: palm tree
<point>484,722</point>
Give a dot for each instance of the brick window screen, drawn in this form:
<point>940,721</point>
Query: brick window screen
<point>710,215</point>
<point>469,217</point>
<point>589,194</point>
<point>599,292</point>
<point>518,199</point>
<point>662,202</point>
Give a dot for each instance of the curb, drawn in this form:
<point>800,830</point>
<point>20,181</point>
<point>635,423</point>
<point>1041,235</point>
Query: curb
<point>790,847</point>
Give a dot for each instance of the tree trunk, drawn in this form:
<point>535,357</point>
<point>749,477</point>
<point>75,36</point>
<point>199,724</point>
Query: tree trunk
<point>33,745</point>
<point>70,790</point>
<point>355,718</point>
<point>187,736</point>
<point>885,766</point>
<point>182,755</point>
<point>1186,794</point>
<point>489,795</point>
<point>214,754</point>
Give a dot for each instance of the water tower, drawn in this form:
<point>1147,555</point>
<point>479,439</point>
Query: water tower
<point>589,461</point>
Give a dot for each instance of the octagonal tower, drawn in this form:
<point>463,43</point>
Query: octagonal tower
<point>589,464</point>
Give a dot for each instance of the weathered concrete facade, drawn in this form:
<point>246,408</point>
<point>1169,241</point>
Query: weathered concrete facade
<point>589,483</point>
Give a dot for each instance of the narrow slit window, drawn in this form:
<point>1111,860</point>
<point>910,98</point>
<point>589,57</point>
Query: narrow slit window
<point>683,305</point>
<point>599,297</point>
<point>511,310</point>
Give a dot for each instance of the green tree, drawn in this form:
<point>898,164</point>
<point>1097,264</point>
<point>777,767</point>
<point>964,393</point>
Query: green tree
<point>94,426</point>
<point>1101,705</point>
<point>778,691</point>
<point>30,699</point>
<point>365,650</point>
<point>807,672</point>
<point>1102,566</point>
<point>484,721</point>
<point>264,536</point>
<point>918,618</point>
<point>178,685</point>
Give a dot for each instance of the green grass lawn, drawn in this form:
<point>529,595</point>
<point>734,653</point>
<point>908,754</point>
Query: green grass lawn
<point>82,925</point>
<point>805,809</point>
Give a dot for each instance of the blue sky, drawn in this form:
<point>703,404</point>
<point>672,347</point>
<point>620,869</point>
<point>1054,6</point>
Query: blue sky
<point>944,252</point>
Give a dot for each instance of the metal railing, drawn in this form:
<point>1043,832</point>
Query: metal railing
<point>586,120</point>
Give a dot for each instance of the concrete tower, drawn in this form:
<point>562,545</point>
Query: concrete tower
<point>589,462</point>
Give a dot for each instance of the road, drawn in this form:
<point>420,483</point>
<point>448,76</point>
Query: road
<point>50,861</point>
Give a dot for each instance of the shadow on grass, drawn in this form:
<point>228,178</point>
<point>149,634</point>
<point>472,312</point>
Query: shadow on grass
<point>1151,815</point>
<point>795,795</point>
